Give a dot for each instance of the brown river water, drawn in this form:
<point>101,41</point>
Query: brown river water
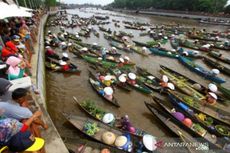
<point>61,88</point>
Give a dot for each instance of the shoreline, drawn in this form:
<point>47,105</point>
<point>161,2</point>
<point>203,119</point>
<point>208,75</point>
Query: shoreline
<point>171,14</point>
<point>51,136</point>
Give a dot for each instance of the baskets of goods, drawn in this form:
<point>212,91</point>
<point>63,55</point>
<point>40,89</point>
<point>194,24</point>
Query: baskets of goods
<point>90,128</point>
<point>223,130</point>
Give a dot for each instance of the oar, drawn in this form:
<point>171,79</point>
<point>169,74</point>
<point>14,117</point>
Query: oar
<point>182,137</point>
<point>75,99</point>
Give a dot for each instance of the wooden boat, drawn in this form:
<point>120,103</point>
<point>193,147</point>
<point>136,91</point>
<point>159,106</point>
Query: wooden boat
<point>221,46</point>
<point>195,129</point>
<point>105,30</point>
<point>99,113</point>
<point>188,44</point>
<point>121,46</point>
<point>134,27</point>
<point>200,70</point>
<point>123,33</point>
<point>169,123</point>
<point>159,51</point>
<point>80,123</point>
<point>72,37</point>
<point>190,53</point>
<point>122,85</point>
<point>150,43</point>
<point>219,114</point>
<point>174,43</point>
<point>204,37</point>
<point>111,37</point>
<point>217,65</point>
<point>89,46</point>
<point>95,33</point>
<point>203,90</point>
<point>57,68</point>
<point>206,121</point>
<point>219,56</point>
<point>149,80</point>
<point>138,50</point>
<point>221,22</point>
<point>138,86</point>
<point>101,17</point>
<point>98,87</point>
<point>182,84</point>
<point>224,90</point>
<point>107,64</point>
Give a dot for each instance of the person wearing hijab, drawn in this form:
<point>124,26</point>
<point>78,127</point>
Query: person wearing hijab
<point>16,68</point>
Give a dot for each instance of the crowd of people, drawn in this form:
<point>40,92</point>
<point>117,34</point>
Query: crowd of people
<point>20,120</point>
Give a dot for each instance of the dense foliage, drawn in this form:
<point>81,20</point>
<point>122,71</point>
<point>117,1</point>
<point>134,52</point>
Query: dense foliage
<point>183,5</point>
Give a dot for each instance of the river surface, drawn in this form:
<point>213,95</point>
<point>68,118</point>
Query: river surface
<point>61,88</point>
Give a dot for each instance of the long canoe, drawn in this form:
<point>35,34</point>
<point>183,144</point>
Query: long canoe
<point>122,85</point>
<point>188,44</point>
<point>221,46</point>
<point>56,68</point>
<point>181,84</point>
<point>99,117</point>
<point>120,46</point>
<point>219,114</point>
<point>150,43</point>
<point>139,50</point>
<point>217,65</point>
<point>174,43</point>
<point>98,87</point>
<point>195,129</point>
<point>138,86</point>
<point>169,123</point>
<point>111,37</point>
<point>95,60</point>
<point>211,124</point>
<point>205,38</point>
<point>219,56</point>
<point>200,70</point>
<point>203,90</point>
<point>165,53</point>
<point>150,80</point>
<point>80,122</point>
<point>224,90</point>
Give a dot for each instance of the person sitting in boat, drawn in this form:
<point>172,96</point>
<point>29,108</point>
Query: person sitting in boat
<point>206,47</point>
<point>70,47</point>
<point>108,93</point>
<point>114,50</point>
<point>214,72</point>
<point>51,53</point>
<point>158,45</point>
<point>144,50</point>
<point>103,54</point>
<point>126,60</point>
<point>165,84</point>
<point>226,43</point>
<point>64,65</point>
<point>126,124</point>
<point>121,62</point>
<point>107,80</point>
<point>211,98</point>
<point>196,41</point>
<point>132,78</point>
<point>147,144</point>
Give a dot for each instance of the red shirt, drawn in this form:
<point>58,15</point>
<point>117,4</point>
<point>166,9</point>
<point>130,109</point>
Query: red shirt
<point>6,53</point>
<point>65,67</point>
